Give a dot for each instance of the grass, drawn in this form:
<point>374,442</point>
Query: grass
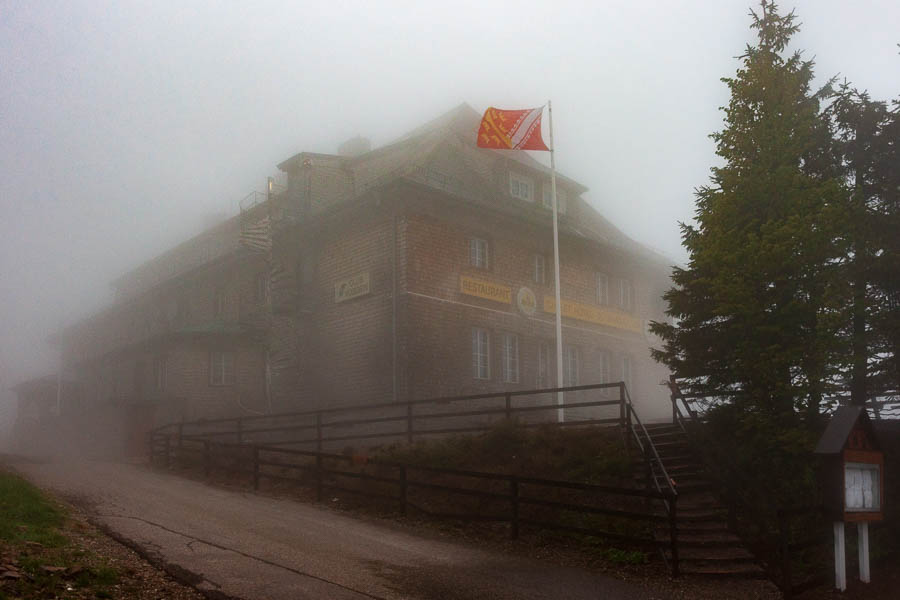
<point>33,544</point>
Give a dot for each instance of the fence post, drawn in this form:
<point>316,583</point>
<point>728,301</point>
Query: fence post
<point>514,496</point>
<point>674,399</point>
<point>239,429</point>
<point>622,405</point>
<point>784,535</point>
<point>318,433</point>
<point>168,450</point>
<point>255,468</point>
<point>508,406</point>
<point>318,477</point>
<point>409,422</point>
<point>207,459</point>
<point>403,489</point>
<point>180,434</point>
<point>673,532</point>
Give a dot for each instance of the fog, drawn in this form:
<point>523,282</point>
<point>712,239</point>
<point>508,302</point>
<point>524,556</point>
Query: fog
<point>127,127</point>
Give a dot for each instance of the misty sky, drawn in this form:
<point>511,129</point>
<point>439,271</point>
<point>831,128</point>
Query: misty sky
<point>127,126</point>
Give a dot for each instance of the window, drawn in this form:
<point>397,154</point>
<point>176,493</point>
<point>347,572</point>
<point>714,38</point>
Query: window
<point>481,354</point>
<point>602,289</point>
<point>262,287</point>
<point>603,368</point>
<point>540,269</point>
<point>521,187</point>
<point>626,373</point>
<point>862,487</point>
<point>543,367</point>
<point>159,373</point>
<point>626,295</point>
<point>219,303</point>
<point>510,358</point>
<point>478,253</point>
<point>570,366</point>
<point>221,368</point>
<point>561,198</point>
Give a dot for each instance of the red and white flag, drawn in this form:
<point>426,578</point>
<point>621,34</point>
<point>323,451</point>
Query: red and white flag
<point>511,129</point>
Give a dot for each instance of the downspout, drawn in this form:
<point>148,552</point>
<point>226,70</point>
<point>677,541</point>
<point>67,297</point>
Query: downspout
<point>394,304</point>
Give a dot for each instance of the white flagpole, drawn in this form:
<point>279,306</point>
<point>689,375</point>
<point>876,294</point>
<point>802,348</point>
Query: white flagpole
<point>560,396</point>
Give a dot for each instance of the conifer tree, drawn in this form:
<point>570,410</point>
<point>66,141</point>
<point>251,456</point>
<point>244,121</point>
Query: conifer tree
<point>754,309</point>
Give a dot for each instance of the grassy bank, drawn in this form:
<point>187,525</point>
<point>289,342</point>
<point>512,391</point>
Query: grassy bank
<point>36,559</point>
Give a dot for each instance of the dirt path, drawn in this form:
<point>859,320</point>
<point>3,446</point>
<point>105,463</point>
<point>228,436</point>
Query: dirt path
<point>246,546</point>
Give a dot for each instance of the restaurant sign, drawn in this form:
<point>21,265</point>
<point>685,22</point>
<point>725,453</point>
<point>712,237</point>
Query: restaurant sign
<point>594,314</point>
<point>352,287</point>
<point>485,289</point>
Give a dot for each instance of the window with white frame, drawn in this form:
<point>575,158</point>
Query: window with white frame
<point>570,366</point>
<point>221,368</point>
<point>603,367</point>
<point>478,253</point>
<point>626,373</point>
<point>561,198</point>
<point>159,372</point>
<point>626,294</point>
<point>543,367</point>
<point>481,354</point>
<point>602,288</point>
<point>521,187</point>
<point>539,274</point>
<point>262,287</point>
<point>510,358</point>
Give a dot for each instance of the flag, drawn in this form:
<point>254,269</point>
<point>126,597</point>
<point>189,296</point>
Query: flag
<point>511,129</point>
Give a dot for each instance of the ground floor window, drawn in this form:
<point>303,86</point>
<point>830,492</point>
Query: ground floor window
<point>570,366</point>
<point>626,373</point>
<point>510,358</point>
<point>159,372</point>
<point>543,367</point>
<point>221,368</point>
<point>481,354</point>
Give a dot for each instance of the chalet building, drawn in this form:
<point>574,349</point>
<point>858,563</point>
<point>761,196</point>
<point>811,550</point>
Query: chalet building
<point>415,270</point>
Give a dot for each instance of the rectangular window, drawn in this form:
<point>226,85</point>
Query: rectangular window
<point>862,487</point>
<point>521,187</point>
<point>262,287</point>
<point>626,374</point>
<point>481,354</point>
<point>570,366</point>
<point>543,367</point>
<point>159,373</point>
<point>603,368</point>
<point>561,198</point>
<point>602,289</point>
<point>219,303</point>
<point>510,358</point>
<point>221,368</point>
<point>539,273</point>
<point>478,253</point>
<point>626,295</point>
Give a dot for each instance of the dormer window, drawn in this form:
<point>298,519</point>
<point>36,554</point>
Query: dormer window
<point>561,198</point>
<point>521,187</point>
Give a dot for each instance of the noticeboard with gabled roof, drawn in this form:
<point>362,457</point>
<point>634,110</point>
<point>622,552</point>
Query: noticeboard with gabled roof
<point>853,466</point>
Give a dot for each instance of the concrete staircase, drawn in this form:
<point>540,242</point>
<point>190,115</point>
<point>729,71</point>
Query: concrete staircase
<point>706,545</point>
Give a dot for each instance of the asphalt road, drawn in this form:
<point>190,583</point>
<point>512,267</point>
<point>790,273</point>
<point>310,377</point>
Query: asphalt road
<point>246,546</point>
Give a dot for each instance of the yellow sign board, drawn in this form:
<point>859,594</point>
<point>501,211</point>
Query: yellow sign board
<point>594,314</point>
<point>485,289</point>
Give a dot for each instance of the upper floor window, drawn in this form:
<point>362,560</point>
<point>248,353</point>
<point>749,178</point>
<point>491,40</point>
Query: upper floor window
<point>521,187</point>
<point>602,288</point>
<point>481,354</point>
<point>510,358</point>
<point>478,253</point>
<point>561,198</point>
<point>221,368</point>
<point>626,295</point>
<point>539,274</point>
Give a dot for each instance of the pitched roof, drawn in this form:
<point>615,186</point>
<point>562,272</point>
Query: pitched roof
<point>839,428</point>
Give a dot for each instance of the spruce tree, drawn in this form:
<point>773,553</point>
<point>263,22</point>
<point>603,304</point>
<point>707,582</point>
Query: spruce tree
<point>755,310</point>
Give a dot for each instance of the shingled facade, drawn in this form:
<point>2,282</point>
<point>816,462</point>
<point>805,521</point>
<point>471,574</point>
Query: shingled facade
<point>419,269</point>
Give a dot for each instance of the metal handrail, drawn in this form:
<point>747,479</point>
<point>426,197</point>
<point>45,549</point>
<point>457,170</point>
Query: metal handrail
<point>650,444</point>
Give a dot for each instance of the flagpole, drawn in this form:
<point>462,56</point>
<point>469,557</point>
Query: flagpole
<point>560,397</point>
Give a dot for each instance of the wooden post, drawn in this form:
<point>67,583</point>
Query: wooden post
<point>409,422</point>
<point>673,532</point>
<point>862,529</point>
<point>840,557</point>
<point>508,406</point>
<point>622,405</point>
<point>674,399</point>
<point>255,468</point>
<point>514,497</point>
<point>318,477</point>
<point>403,489</point>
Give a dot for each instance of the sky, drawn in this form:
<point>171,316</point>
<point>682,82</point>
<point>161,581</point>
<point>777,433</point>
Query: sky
<point>126,127</point>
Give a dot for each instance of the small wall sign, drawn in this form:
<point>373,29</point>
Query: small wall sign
<point>526,301</point>
<point>352,287</point>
